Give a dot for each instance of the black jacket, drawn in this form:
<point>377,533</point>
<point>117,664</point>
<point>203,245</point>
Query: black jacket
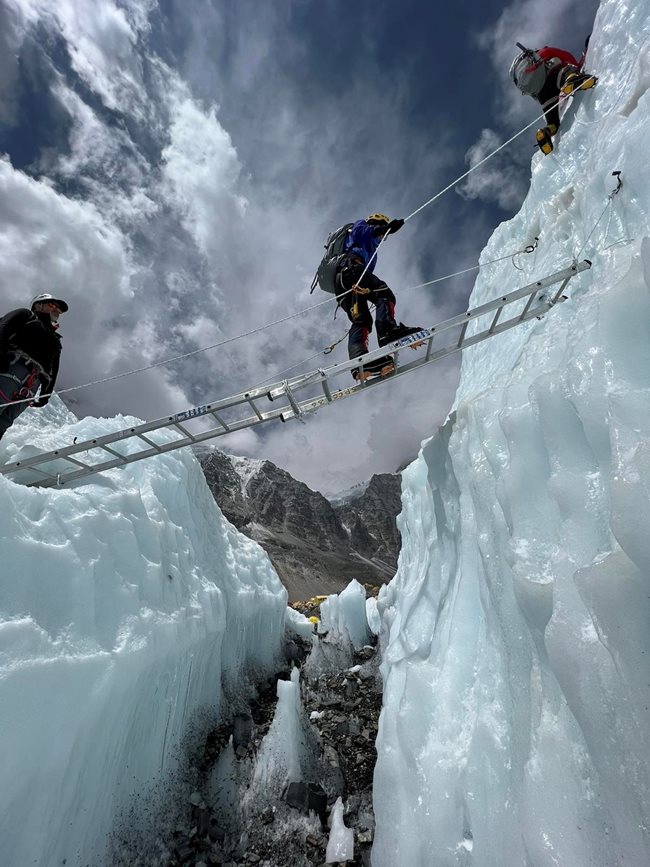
<point>32,333</point>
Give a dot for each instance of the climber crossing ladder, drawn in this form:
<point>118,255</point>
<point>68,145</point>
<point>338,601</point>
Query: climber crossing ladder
<point>70,463</point>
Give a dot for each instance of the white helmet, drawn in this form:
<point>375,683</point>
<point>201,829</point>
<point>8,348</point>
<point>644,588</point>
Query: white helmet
<point>45,296</point>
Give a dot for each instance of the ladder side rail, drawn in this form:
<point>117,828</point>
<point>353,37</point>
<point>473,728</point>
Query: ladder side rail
<point>480,336</point>
<point>52,474</point>
<point>429,333</point>
<point>279,389</point>
<point>129,433</point>
<point>313,404</point>
<point>74,475</point>
<point>566,273</point>
<point>542,309</point>
<point>251,395</point>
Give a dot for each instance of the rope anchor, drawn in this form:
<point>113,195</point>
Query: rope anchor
<point>619,184</point>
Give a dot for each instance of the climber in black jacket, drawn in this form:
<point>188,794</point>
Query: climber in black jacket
<point>30,349</point>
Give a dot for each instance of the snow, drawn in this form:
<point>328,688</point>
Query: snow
<point>345,613</point>
<point>515,635</point>
<point>246,469</point>
<point>279,760</point>
<point>344,498</point>
<point>372,615</point>
<point>340,846</point>
<point>515,639</point>
<point>297,624</point>
<point>129,607</point>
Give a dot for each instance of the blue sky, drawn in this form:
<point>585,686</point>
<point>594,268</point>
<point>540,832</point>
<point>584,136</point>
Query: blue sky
<point>173,167</point>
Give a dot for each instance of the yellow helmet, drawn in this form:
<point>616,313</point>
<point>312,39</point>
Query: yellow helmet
<point>378,218</point>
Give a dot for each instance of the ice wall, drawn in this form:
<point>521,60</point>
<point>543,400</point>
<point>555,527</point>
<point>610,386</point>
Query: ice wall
<point>127,604</point>
<point>516,723</point>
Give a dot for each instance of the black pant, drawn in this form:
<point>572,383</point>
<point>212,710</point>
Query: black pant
<point>549,95</point>
<point>358,312</point>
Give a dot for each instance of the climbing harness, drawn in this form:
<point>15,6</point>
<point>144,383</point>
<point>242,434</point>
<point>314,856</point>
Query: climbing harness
<point>261,328</point>
<point>529,248</point>
<point>76,461</point>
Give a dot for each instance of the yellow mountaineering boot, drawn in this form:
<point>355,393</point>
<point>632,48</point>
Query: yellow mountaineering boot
<point>578,81</point>
<point>544,138</point>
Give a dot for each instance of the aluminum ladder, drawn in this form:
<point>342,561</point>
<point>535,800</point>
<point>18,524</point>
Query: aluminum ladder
<point>70,463</point>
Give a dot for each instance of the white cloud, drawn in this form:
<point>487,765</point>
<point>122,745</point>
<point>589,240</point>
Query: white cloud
<point>163,238</point>
<point>9,43</point>
<point>102,44</point>
<point>499,180</point>
<point>49,242</point>
<point>200,171</point>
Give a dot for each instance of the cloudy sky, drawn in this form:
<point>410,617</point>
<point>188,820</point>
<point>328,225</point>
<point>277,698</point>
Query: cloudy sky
<point>172,167</point>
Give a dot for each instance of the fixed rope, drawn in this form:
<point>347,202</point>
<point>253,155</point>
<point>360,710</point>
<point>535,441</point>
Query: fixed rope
<point>258,330</point>
<point>529,248</point>
<point>261,328</point>
<point>610,202</point>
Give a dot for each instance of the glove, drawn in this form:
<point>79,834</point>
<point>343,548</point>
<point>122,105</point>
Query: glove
<point>394,226</point>
<point>4,363</point>
<point>41,402</point>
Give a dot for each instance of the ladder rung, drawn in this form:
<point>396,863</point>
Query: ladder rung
<point>559,292</point>
<point>149,443</point>
<point>146,447</point>
<point>75,461</point>
<point>531,298</point>
<point>43,472</point>
<point>254,408</point>
<point>111,451</point>
<point>496,319</point>
<point>220,420</point>
<point>183,430</point>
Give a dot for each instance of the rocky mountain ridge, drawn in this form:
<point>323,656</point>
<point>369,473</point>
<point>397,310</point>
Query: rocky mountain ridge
<point>316,546</point>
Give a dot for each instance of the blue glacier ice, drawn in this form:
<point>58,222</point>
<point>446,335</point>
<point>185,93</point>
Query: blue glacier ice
<point>516,634</point>
<point>128,607</point>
